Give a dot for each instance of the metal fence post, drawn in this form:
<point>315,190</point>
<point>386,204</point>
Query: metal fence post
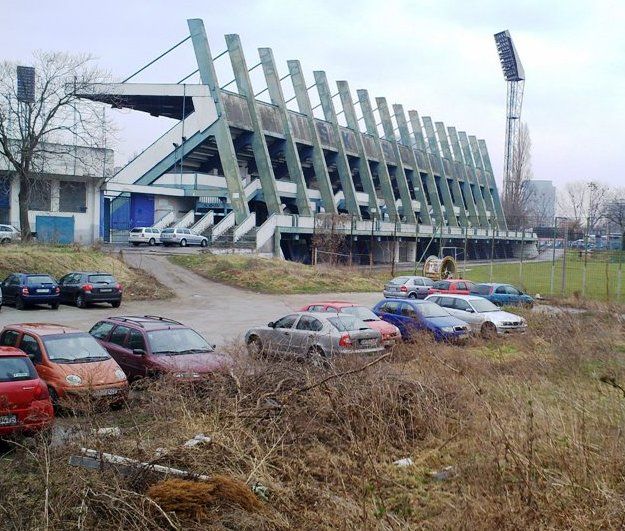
<point>585,264</point>
<point>522,253</point>
<point>492,253</point>
<point>564,247</point>
<point>553,258</point>
<point>619,280</point>
<point>464,256</point>
<point>416,252</point>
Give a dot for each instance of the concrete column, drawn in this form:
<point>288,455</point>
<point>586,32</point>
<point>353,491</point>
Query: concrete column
<point>455,185</point>
<point>465,184</point>
<point>480,202</point>
<point>54,195</point>
<point>501,217</point>
<point>412,251</point>
<point>482,179</point>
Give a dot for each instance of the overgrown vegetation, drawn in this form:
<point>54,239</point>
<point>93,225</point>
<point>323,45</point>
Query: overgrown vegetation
<point>267,275</point>
<point>522,432</point>
<point>62,259</point>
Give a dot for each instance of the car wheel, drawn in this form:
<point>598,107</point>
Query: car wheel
<point>412,296</point>
<point>116,304</point>
<point>54,398</point>
<point>5,241</point>
<point>135,244</point>
<point>19,304</point>
<point>317,357</point>
<point>54,305</point>
<point>204,243</point>
<point>488,330</point>
<point>183,243</point>
<point>80,301</point>
<point>255,347</point>
<point>152,242</point>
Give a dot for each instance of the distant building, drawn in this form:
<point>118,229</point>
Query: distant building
<point>541,203</point>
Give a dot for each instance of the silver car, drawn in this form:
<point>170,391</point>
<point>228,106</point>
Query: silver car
<point>9,234</point>
<point>314,336</point>
<point>408,287</point>
<point>482,315</point>
<point>149,235</point>
<point>182,237</point>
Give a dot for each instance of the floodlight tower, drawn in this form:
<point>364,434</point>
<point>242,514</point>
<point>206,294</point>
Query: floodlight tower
<point>515,80</point>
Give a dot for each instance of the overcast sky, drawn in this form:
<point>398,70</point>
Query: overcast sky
<point>435,56</point>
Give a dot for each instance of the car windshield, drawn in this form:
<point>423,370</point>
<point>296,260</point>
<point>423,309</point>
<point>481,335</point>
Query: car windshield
<point>39,279</point>
<point>177,341</point>
<point>365,314</point>
<point>15,369</point>
<point>429,309</point>
<point>483,305</point>
<point>399,281</point>
<point>74,348</point>
<point>167,231</point>
<point>139,229</point>
<point>101,279</point>
<point>345,323</point>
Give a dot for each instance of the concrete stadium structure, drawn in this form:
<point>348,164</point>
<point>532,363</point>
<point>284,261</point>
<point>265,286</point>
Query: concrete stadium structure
<point>258,174</point>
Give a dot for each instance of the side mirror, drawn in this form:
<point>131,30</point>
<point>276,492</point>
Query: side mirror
<point>32,357</point>
<point>469,310</point>
<point>213,346</point>
<point>138,351</point>
<point>271,324</point>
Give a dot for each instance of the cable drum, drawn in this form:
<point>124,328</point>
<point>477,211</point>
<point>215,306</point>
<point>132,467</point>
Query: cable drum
<point>439,268</point>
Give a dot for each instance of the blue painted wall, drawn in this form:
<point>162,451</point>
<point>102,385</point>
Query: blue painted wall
<point>55,229</point>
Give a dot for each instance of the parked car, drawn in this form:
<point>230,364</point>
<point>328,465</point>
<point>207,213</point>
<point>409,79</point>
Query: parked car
<point>390,333</point>
<point>9,234</point>
<point>414,316</point>
<point>25,404</point>
<point>149,235</point>
<point>409,287</point>
<point>84,288</point>
<point>313,336</point>
<point>503,294</point>
<point>182,237</point>
<point>152,346</point>
<point>22,290</point>
<point>455,286</point>
<point>71,362</point>
<point>482,315</point>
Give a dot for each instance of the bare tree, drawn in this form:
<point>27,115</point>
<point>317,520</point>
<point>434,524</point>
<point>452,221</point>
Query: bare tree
<point>615,212</point>
<point>516,191</point>
<point>33,133</point>
<point>584,203</point>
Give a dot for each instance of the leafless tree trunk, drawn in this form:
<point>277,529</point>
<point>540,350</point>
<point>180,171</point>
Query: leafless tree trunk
<point>52,125</point>
<point>516,192</point>
<point>584,203</point>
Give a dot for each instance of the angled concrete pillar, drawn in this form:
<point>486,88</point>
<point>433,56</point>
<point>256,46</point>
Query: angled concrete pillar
<point>455,185</point>
<point>383,174</point>
<point>259,144</point>
<point>430,181</point>
<point>482,179</point>
<point>291,154</point>
<point>480,201</point>
<point>225,147</point>
<point>400,174</point>
<point>404,135</point>
<point>444,185</point>
<point>364,169</point>
<point>493,186</point>
<point>466,182</point>
<point>319,162</point>
<point>342,164</point>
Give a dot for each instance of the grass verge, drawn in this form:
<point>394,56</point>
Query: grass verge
<point>60,260</point>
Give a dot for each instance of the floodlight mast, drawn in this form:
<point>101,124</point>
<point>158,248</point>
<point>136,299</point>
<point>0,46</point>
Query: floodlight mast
<point>515,80</point>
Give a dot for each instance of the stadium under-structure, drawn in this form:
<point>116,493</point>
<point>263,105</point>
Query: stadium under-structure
<point>261,175</point>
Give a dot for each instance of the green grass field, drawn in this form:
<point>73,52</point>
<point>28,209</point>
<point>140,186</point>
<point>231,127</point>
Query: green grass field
<point>602,277</point>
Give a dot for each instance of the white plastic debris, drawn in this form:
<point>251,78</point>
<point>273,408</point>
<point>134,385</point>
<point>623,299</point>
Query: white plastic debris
<point>108,432</point>
<point>261,491</point>
<point>406,461</point>
<point>200,438</point>
<point>443,473</point>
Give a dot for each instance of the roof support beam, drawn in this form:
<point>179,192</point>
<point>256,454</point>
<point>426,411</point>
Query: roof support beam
<point>466,183</point>
<point>259,143</point>
<point>483,180</point>
<point>344,171</point>
<point>501,217</point>
<point>444,143</point>
<point>480,200</point>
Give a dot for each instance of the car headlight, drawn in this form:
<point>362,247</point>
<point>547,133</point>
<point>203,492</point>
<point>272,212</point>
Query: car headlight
<point>447,329</point>
<point>119,374</point>
<point>73,379</point>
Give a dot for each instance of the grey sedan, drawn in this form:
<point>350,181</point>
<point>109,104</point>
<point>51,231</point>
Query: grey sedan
<point>182,237</point>
<point>482,315</point>
<point>408,287</point>
<point>314,336</point>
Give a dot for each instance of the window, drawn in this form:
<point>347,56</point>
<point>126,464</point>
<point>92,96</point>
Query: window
<point>441,284</point>
<point>428,281</point>
<point>429,309</point>
<point>101,330</point>
<point>40,194</point>
<point>9,338</point>
<point>446,302</point>
<point>30,345</point>
<point>101,279</point>
<point>14,281</point>
<point>286,322</point>
<point>408,311</point>
<point>399,281</point>
<point>72,197</point>
<point>482,289</point>
<point>461,286</point>
<point>417,282</point>
<point>307,322</point>
<point>72,348</point>
<point>135,340</point>
<point>118,335</point>
<point>510,290</point>
<point>347,323</point>
<point>461,304</point>
<point>15,369</point>
<point>470,285</point>
<point>177,341</point>
<point>501,290</point>
<point>390,307</point>
<point>31,280</point>
<point>320,308</point>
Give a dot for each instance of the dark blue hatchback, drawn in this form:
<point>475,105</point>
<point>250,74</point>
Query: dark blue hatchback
<point>25,289</point>
<point>412,316</point>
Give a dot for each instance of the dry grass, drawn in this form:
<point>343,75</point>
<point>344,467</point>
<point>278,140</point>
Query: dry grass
<point>62,259</point>
<point>532,428</point>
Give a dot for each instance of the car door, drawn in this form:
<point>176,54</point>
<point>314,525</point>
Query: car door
<point>9,288</point>
<point>410,319</point>
<point>514,295</point>
<point>389,311</point>
<point>448,303</point>
<point>280,337</point>
<point>69,286</point>
<point>116,347</point>
<point>499,296</point>
<point>30,345</point>
<point>136,361</point>
<point>304,334</point>
<point>463,310</point>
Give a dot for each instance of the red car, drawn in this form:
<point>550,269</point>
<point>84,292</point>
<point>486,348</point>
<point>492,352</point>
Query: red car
<point>390,333</point>
<point>25,404</point>
<point>452,286</point>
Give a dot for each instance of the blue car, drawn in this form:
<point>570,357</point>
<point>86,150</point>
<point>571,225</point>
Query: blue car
<point>503,294</point>
<point>22,290</point>
<point>412,316</point>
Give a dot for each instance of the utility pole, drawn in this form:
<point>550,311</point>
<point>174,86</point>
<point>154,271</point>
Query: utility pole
<point>566,237</point>
<point>553,256</point>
